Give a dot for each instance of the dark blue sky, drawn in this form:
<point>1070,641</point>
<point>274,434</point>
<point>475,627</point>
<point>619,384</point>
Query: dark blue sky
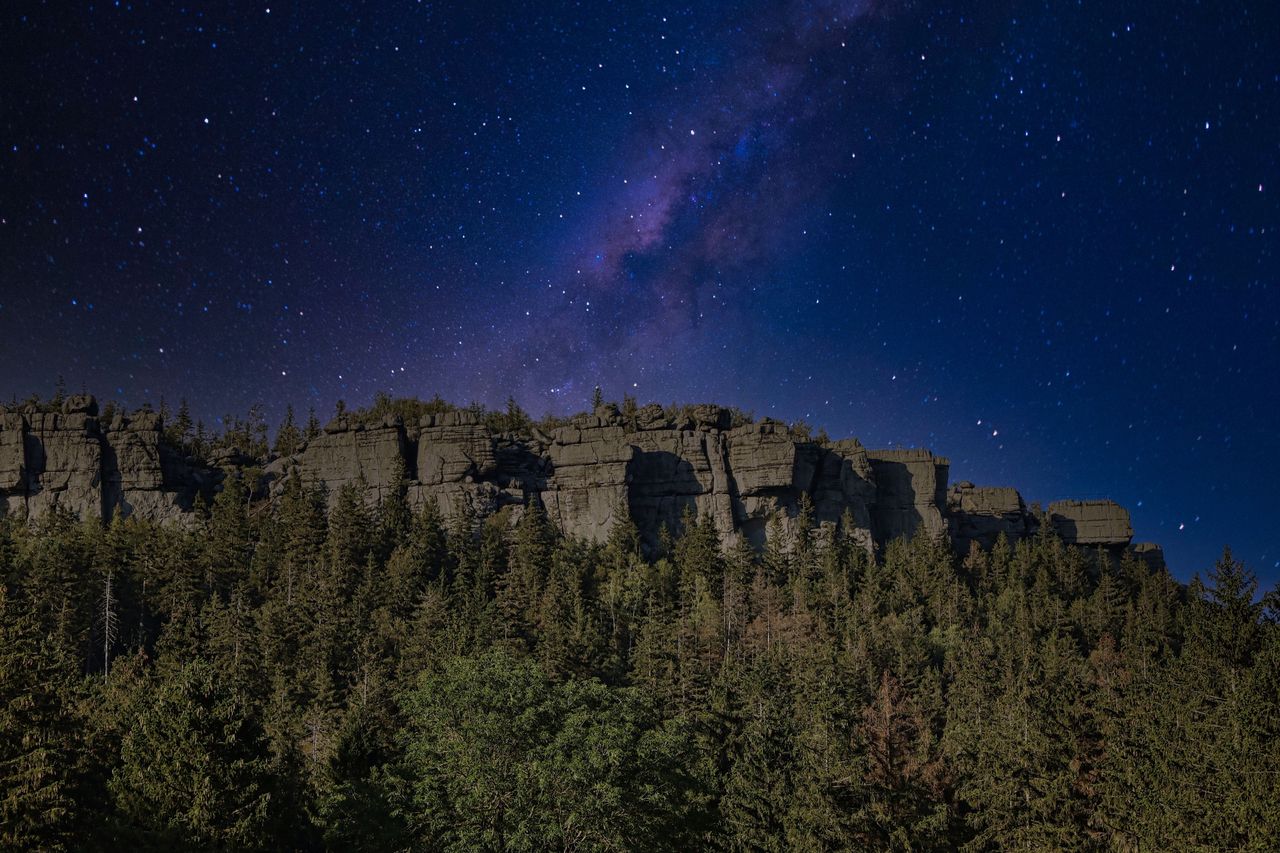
<point>1037,238</point>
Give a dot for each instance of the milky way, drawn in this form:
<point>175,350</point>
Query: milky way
<point>710,183</point>
<point>1040,240</point>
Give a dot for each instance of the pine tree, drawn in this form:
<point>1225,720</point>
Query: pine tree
<point>905,772</point>
<point>233,644</point>
<point>56,571</point>
<point>180,432</point>
<point>109,620</point>
<point>229,544</point>
<point>302,517</point>
<point>394,518</point>
<point>520,588</point>
<point>37,810</point>
<point>192,770</point>
<point>288,436</point>
<point>568,632</point>
<point>200,444</point>
<point>759,784</point>
<point>354,797</point>
<point>312,429</point>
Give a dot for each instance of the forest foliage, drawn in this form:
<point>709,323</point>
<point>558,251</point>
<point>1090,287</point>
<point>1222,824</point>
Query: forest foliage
<point>320,673</point>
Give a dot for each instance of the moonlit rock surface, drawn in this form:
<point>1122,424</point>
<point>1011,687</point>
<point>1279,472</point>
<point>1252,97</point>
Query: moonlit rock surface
<point>1091,522</point>
<point>982,513</point>
<point>752,480</point>
<point>72,461</point>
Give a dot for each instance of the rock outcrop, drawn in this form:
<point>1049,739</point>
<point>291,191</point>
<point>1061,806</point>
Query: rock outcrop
<point>1149,553</point>
<point>143,475</point>
<point>587,487</point>
<point>63,462</point>
<point>982,513</point>
<point>1103,523</point>
<point>13,454</point>
<point>70,460</point>
<point>597,469</point>
<point>911,493</point>
<point>351,453</point>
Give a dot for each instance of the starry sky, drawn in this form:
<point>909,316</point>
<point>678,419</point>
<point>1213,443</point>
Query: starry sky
<point>1038,238</point>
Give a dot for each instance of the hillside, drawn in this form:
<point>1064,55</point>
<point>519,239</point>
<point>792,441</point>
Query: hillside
<point>340,665</point>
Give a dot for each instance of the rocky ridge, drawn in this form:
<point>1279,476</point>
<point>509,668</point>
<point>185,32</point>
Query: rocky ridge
<point>72,460</point>
<point>751,479</point>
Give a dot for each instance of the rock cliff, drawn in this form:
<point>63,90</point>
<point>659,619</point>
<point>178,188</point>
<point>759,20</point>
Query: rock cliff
<point>589,473</point>
<point>981,513</point>
<point>72,460</point>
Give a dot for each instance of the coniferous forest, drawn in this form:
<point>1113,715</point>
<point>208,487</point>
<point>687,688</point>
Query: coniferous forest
<point>284,676</point>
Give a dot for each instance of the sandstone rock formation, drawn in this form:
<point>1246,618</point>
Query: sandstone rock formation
<point>590,473</point>
<point>982,513</point>
<point>1091,522</point>
<point>141,474</point>
<point>911,493</point>
<point>70,460</point>
<point>1149,553</point>
<point>375,457</point>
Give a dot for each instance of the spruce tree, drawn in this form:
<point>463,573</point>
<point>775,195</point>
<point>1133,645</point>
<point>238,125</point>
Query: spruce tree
<point>520,588</point>
<point>37,809</point>
<point>288,436</point>
<point>192,768</point>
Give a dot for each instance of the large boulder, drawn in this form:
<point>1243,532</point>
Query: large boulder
<point>653,416</point>
<point>1149,553</point>
<point>710,416</point>
<point>80,404</point>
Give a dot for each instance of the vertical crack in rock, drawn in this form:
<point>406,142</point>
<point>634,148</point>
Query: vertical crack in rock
<point>651,465</point>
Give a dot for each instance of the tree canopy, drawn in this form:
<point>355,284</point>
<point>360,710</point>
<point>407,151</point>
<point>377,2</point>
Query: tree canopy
<point>324,673</point>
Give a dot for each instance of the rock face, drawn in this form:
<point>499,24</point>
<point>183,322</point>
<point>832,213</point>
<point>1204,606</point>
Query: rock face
<point>143,475</point>
<point>72,461</point>
<point>598,469</point>
<point>602,468</point>
<point>13,453</point>
<point>454,447</point>
<point>63,460</point>
<point>1091,522</point>
<point>911,493</point>
<point>1149,553</point>
<point>589,470</point>
<point>347,453</point>
<point>981,513</point>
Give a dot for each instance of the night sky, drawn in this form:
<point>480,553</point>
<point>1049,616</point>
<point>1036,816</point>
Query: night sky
<point>1040,239</point>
